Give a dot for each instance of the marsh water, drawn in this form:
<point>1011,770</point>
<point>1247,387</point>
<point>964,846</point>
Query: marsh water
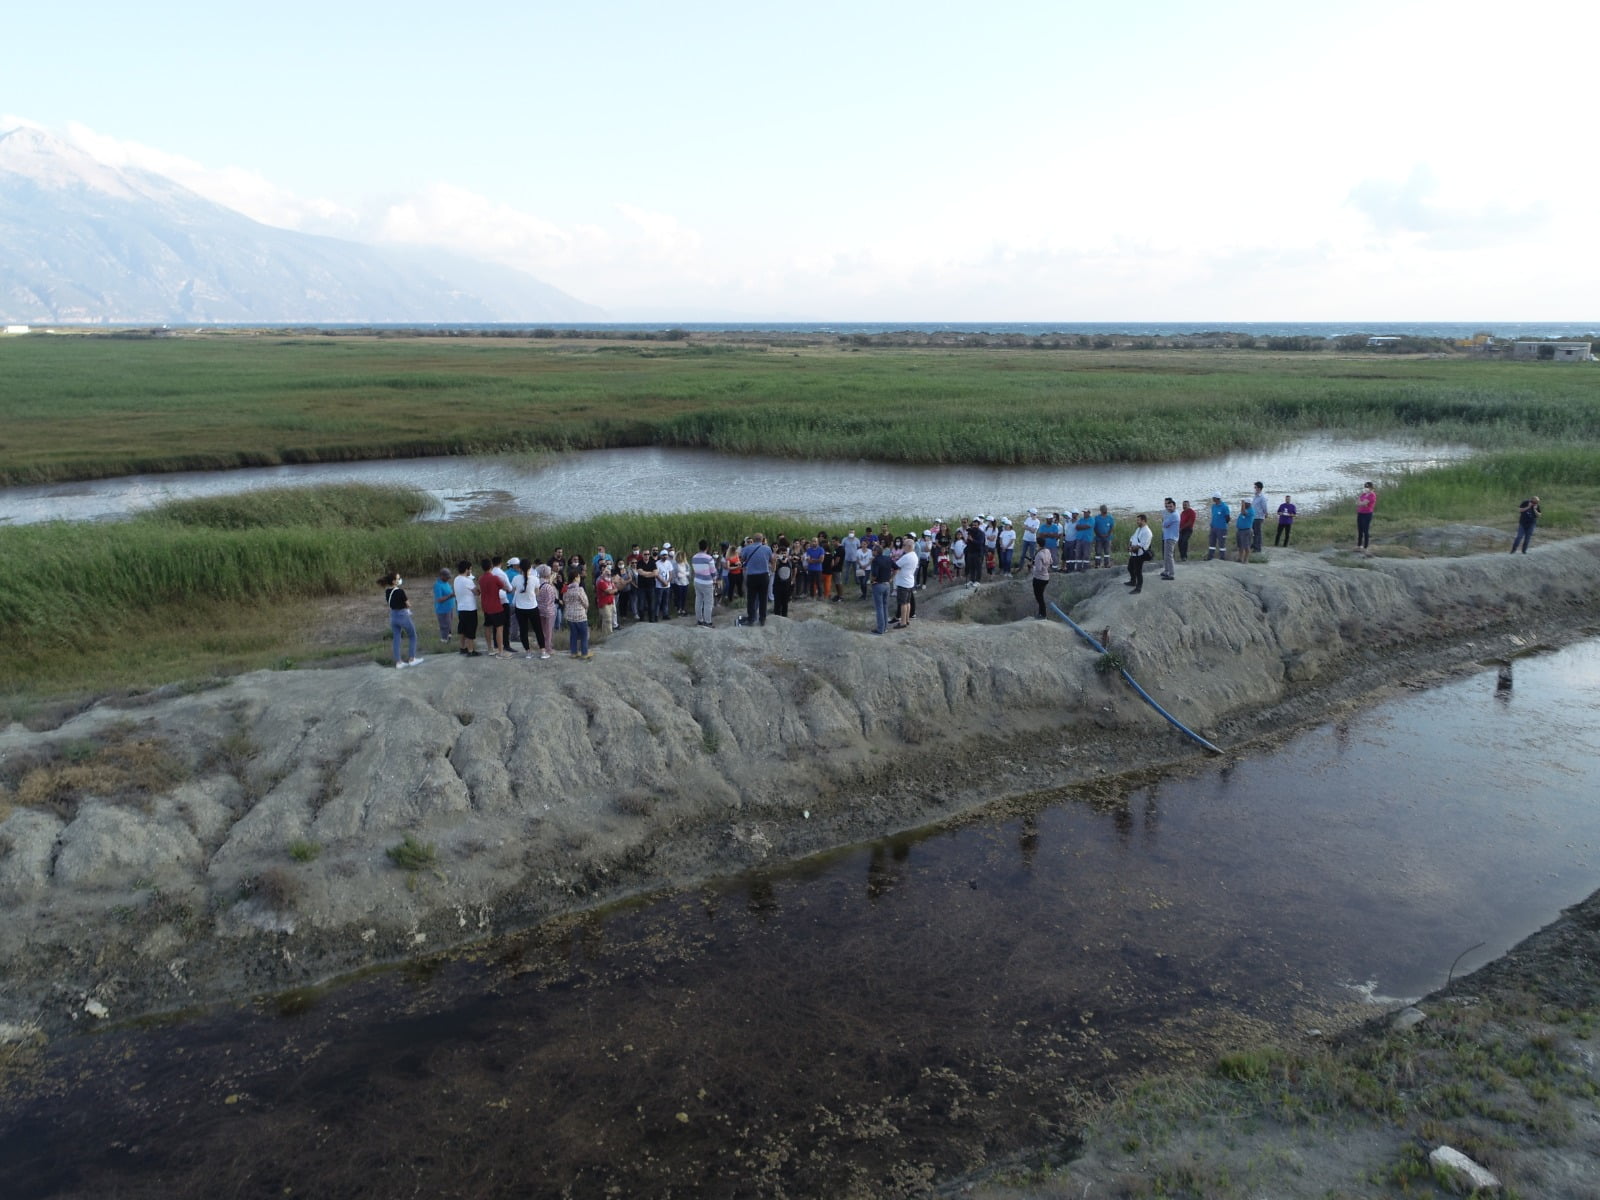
<point>654,479</point>
<point>889,1014</point>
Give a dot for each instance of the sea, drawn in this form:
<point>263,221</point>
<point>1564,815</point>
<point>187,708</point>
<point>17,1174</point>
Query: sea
<point>1507,330</point>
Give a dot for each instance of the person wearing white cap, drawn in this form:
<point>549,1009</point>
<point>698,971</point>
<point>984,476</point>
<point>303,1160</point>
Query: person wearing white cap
<point>1006,540</point>
<point>1030,537</point>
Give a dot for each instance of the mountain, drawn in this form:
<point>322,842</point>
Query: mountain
<point>81,241</point>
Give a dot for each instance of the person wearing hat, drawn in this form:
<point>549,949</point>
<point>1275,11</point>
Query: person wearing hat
<point>1221,518</point>
<point>1030,537</point>
<point>1006,540</point>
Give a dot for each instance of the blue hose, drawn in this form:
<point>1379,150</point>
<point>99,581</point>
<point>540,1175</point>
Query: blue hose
<point>1144,695</point>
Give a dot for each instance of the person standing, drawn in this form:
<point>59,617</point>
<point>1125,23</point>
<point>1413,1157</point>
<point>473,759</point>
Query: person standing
<point>1043,560</point>
<point>547,608</point>
<point>444,603</point>
<point>1138,552</point>
<point>491,597</point>
<point>1008,544</point>
<point>905,581</point>
<point>882,586</point>
<point>1082,539</point>
<point>575,601</point>
<point>1258,505</point>
<point>1221,518</point>
<point>682,573</point>
<point>400,621</point>
<point>1185,530</point>
<point>1169,537</point>
<point>1528,514</point>
<point>525,607</point>
<point>1366,505</point>
<point>704,567</point>
<point>1030,537</point>
<point>850,543</point>
<point>466,589</point>
<point>1104,522</point>
<point>977,543</point>
<point>757,580</point>
<point>1245,529</point>
<point>1286,512</point>
<point>605,597</point>
<point>783,580</point>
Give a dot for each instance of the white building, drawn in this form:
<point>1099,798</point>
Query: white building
<point>16,329</point>
<point>1553,351</point>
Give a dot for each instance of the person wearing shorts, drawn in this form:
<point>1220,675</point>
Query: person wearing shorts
<point>466,588</point>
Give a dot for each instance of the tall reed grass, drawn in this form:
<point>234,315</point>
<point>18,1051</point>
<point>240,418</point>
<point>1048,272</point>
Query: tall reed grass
<point>98,407</point>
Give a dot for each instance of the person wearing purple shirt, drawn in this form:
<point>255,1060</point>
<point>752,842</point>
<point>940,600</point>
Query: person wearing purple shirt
<point>1286,512</point>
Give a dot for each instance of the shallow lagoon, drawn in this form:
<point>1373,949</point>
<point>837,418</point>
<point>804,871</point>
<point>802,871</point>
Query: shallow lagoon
<point>883,1015</point>
<point>655,479</point>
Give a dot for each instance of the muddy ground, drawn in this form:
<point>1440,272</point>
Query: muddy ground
<point>282,827</point>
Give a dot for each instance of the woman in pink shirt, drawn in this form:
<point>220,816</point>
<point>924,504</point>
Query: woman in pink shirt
<point>1366,503</point>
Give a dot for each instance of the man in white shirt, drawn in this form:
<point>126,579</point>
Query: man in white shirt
<point>905,579</point>
<point>1007,541</point>
<point>1030,538</point>
<point>1138,551</point>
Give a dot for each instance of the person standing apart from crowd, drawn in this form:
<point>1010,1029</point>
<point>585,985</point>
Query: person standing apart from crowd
<point>1104,522</point>
<point>1286,512</point>
<point>400,621</point>
<point>1221,518</point>
<point>576,603</point>
<point>1185,530</point>
<point>1366,505</point>
<point>757,580</point>
<point>1169,537</point>
<point>1039,572</point>
<point>1245,529</point>
<point>1030,537</point>
<point>704,568</point>
<point>548,599</point>
<point>444,603</point>
<point>1138,552</point>
<point>466,588</point>
<point>1528,514</point>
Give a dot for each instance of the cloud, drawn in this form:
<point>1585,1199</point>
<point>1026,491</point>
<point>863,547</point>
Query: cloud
<point>1418,206</point>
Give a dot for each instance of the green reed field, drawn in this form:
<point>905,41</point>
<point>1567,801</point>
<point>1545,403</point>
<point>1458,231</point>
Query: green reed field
<point>87,406</point>
<point>198,588</point>
<point>271,579</point>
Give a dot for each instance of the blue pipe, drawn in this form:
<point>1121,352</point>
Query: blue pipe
<point>1148,699</point>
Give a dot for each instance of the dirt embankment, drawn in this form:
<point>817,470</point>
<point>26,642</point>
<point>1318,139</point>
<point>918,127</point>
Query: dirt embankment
<point>285,826</point>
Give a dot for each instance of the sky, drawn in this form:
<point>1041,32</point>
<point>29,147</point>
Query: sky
<point>877,160</point>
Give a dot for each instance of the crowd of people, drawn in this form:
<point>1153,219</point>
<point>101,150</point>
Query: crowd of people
<point>516,602</point>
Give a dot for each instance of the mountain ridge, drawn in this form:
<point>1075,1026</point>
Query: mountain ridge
<point>82,241</point>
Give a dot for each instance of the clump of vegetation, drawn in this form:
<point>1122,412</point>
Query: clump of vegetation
<point>1110,663</point>
<point>412,855</point>
<point>634,802</point>
<point>123,768</point>
<point>303,850</point>
<point>277,888</point>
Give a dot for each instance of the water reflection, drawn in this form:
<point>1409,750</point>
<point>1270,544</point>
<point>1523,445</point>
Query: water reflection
<point>651,479</point>
<point>793,1031</point>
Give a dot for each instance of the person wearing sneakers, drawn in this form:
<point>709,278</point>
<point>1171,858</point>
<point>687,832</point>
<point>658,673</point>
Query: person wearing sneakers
<point>704,568</point>
<point>547,608</point>
<point>444,603</point>
<point>1138,552</point>
<point>1169,537</point>
<point>400,620</point>
<point>575,604</point>
<point>466,588</point>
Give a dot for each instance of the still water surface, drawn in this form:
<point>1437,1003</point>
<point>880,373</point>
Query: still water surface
<point>874,1018</point>
<point>653,479</point>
